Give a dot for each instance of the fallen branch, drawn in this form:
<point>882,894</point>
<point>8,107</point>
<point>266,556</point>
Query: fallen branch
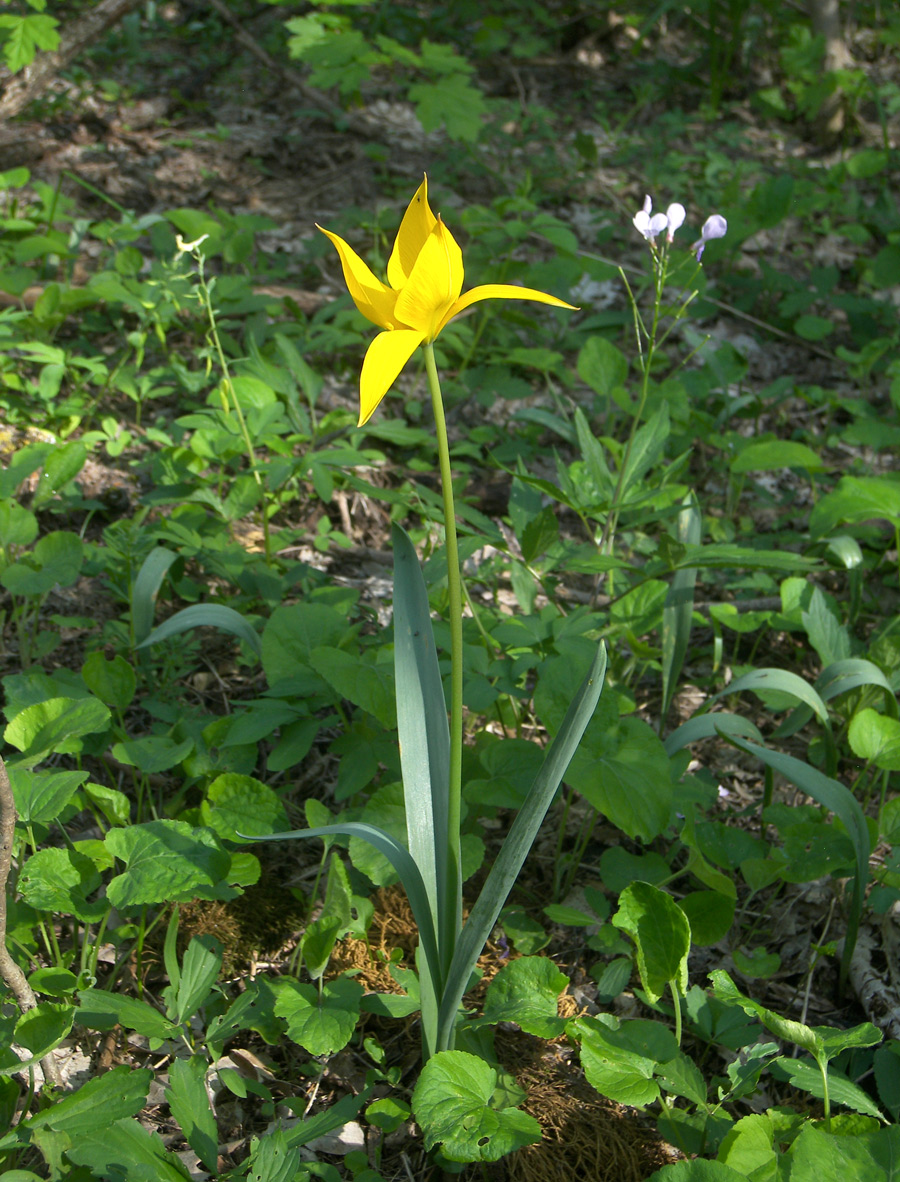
<point>9,970</point>
<point>28,84</point>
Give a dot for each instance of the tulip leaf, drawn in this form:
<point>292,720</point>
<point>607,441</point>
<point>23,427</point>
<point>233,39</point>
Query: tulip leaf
<point>424,738</point>
<point>518,843</point>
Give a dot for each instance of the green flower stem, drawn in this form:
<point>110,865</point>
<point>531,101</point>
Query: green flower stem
<point>453,888</point>
<point>230,397</point>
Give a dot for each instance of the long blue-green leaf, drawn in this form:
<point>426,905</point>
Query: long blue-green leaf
<point>839,678</point>
<point>146,588</point>
<point>851,673</point>
<point>783,681</point>
<point>401,859</point>
<point>841,801</point>
<point>678,610</point>
<point>705,726</point>
<point>424,742</point>
<point>519,841</point>
<point>206,615</point>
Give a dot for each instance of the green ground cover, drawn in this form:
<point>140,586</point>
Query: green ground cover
<point>229,607</point>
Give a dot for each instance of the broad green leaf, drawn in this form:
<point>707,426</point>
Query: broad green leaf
<point>354,677</point>
<point>241,803</point>
<point>206,615</point>
<point>612,1066</point>
<point>41,796</point>
<point>518,843</point>
<point>98,1009</point>
<point>321,1025</point>
<point>875,737</point>
<point>199,971</point>
<point>27,34</point>
<point>55,561</point>
<point>113,804</point>
<point>293,631</point>
<point>856,499</point>
<point>620,867</point>
<point>113,682</point>
<point>805,1075</point>
<point>60,880</point>
<point>725,990</point>
<point>254,1009</point>
<point>887,1076</point>
<point>828,636</point>
<point>775,454</point>
<point>624,772</point>
<point>526,991</point>
<point>603,366</point>
<point>96,1105</point>
<point>271,1158</point>
<point>18,526</point>
<point>334,1117</point>
<point>661,933</point>
<point>757,962</point>
<point>126,1141</point>
<point>452,103</point>
<point>648,445</point>
<point>817,1155</point>
<point>709,914</point>
<point>385,810</point>
<point>167,862</point>
<point>680,1076</point>
<point>54,726</point>
<point>451,1103</point>
<point>318,942</point>
<point>153,753</point>
<point>43,1027</point>
<point>698,1170</point>
<point>63,463</point>
<point>189,1105</point>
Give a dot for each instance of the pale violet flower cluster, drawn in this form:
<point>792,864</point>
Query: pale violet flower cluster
<point>651,224</point>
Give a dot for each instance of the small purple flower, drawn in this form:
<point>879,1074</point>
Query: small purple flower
<point>647,225</point>
<point>715,226</point>
<point>675,216</point>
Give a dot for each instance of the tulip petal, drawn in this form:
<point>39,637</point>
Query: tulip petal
<point>501,291</point>
<point>371,296</point>
<point>433,285</point>
<point>384,359</point>
<point>417,224</point>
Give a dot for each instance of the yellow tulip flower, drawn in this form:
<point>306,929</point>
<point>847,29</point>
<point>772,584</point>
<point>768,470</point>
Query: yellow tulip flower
<point>422,295</point>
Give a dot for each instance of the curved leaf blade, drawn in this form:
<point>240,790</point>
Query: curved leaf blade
<point>206,615</point>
